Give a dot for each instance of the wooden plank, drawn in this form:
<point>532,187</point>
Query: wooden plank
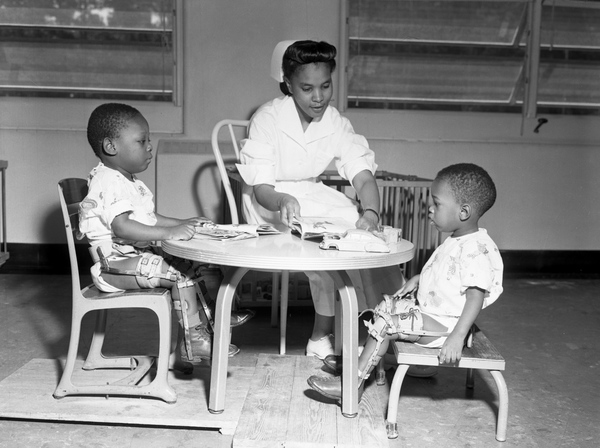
<point>368,428</point>
<point>482,355</point>
<point>27,394</point>
<point>265,412</point>
<point>312,419</point>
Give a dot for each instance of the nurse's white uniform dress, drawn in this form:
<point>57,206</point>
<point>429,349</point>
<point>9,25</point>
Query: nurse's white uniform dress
<point>278,152</point>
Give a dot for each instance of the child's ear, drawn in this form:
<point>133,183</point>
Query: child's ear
<point>108,147</point>
<point>465,212</point>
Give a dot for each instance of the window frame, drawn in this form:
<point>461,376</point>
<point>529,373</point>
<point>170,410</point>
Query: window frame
<point>528,77</point>
<point>39,113</point>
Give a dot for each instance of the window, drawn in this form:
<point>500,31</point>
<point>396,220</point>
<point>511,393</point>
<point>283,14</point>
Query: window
<point>100,49</point>
<point>485,55</point>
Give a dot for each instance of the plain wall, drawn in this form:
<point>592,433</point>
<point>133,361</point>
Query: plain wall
<point>547,182</point>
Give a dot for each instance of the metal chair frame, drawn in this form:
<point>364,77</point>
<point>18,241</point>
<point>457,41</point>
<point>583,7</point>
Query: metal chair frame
<point>71,192</point>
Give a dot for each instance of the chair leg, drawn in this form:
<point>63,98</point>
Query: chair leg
<point>391,424</point>
<point>159,387</point>
<point>502,405</point>
<point>94,359</point>
<point>65,383</point>
<point>275,299</point>
<point>285,281</point>
<point>140,366</point>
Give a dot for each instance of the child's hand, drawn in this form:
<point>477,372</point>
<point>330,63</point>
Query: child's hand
<point>183,232</point>
<point>451,351</point>
<point>410,286</point>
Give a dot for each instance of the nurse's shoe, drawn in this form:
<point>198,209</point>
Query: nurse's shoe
<point>320,349</point>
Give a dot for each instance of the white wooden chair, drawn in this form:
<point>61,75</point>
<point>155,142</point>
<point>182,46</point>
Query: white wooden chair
<point>71,192</point>
<point>479,353</point>
<point>235,212</point>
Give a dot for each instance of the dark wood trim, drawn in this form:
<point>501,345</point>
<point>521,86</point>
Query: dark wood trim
<point>44,259</point>
<point>54,259</point>
<point>551,263</point>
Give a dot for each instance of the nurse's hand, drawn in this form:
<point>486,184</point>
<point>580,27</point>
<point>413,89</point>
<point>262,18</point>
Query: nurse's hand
<point>368,221</point>
<point>288,208</point>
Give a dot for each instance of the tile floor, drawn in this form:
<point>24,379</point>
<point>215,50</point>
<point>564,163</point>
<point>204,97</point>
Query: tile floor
<point>547,329</point>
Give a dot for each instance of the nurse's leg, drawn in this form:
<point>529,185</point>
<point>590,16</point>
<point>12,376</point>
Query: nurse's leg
<point>320,343</point>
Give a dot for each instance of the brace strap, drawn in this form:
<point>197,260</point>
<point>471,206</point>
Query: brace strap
<point>378,331</point>
<point>402,317</point>
<point>181,306</point>
<point>207,311</point>
<point>372,362</point>
<point>149,267</point>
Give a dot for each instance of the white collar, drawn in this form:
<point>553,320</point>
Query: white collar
<point>289,122</point>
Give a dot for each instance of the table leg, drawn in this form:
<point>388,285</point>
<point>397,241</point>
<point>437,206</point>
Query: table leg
<point>218,371</point>
<point>349,321</point>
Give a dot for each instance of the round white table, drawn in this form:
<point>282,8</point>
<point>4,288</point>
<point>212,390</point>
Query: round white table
<point>285,252</point>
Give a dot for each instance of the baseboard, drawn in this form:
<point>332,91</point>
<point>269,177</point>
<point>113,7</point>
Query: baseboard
<point>551,263</point>
<point>44,259</point>
<point>54,259</point>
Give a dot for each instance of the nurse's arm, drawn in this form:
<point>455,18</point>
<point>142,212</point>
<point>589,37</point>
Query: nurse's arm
<point>286,204</point>
<point>368,194</point>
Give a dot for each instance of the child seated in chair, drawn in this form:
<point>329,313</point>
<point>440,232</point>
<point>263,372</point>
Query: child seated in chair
<point>463,276</point>
<point>118,218</point>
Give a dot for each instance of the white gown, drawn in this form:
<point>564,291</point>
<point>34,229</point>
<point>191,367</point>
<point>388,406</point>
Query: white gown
<point>278,152</point>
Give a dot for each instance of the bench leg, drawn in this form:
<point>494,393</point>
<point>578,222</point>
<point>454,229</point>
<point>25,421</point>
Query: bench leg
<point>502,407</point>
<point>392,415</point>
<point>470,379</point>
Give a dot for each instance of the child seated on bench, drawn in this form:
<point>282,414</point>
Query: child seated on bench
<point>117,216</point>
<point>463,276</point>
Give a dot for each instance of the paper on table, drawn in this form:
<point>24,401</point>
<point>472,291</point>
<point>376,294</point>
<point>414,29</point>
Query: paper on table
<point>225,232</point>
<point>316,227</point>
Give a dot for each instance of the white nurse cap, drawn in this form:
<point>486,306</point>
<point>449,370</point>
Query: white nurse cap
<point>277,59</point>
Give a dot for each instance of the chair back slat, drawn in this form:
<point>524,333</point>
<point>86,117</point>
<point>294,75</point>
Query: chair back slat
<point>71,192</point>
<point>229,193</point>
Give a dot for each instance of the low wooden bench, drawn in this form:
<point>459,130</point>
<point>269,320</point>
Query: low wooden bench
<point>479,353</point>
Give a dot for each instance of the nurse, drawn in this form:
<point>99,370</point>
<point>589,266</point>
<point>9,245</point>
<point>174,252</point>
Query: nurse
<point>291,142</point>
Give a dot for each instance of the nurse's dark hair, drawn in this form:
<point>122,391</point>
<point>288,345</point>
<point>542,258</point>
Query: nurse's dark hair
<point>107,121</point>
<point>470,184</point>
<point>305,52</point>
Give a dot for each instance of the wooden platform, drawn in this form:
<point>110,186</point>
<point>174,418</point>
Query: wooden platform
<point>27,394</point>
<point>266,406</point>
<point>281,410</point>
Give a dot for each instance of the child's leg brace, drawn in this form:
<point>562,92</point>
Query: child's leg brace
<point>148,274</point>
<point>397,318</point>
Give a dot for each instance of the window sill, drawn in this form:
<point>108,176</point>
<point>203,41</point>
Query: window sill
<point>484,127</point>
<point>59,114</point>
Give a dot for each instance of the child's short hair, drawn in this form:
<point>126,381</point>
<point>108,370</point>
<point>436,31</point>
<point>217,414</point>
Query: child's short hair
<point>470,184</point>
<point>107,121</point>
<point>306,52</point>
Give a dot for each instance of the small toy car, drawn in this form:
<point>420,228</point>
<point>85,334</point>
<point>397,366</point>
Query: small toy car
<point>354,240</point>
